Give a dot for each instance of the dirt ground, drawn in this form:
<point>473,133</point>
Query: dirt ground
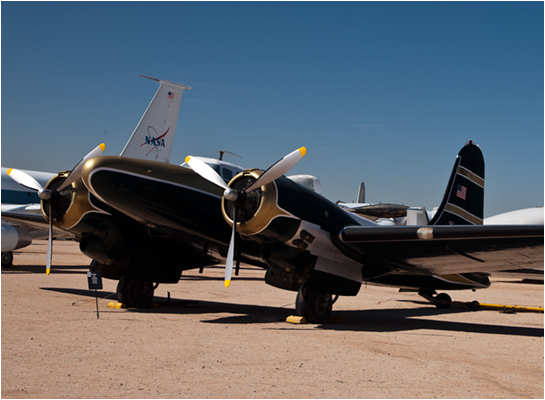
<point>213,342</point>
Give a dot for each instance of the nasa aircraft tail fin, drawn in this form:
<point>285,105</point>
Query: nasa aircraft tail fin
<point>153,137</point>
<point>463,202</point>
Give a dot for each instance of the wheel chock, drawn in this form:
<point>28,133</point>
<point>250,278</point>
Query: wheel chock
<point>301,320</point>
<point>294,319</point>
<point>116,305</point>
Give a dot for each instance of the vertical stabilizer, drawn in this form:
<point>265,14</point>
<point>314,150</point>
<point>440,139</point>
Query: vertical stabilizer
<point>153,137</point>
<point>361,193</point>
<point>463,203</point>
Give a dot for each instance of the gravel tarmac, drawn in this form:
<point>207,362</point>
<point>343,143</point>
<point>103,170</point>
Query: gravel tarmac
<point>213,342</point>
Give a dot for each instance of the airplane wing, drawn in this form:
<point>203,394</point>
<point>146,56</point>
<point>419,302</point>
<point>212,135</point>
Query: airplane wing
<point>30,218</point>
<point>440,250</point>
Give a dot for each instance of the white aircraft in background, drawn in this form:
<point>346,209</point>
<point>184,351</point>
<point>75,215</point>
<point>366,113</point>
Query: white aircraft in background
<point>525,216</point>
<point>152,139</point>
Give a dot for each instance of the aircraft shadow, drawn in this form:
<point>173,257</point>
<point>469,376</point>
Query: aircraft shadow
<point>84,292</point>
<point>79,269</point>
<point>383,320</point>
<point>40,269</point>
<point>219,278</point>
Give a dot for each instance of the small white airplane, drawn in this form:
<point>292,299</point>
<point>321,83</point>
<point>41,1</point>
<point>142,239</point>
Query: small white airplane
<point>152,139</point>
<point>525,216</point>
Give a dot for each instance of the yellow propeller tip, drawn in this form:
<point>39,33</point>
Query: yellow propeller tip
<point>303,151</point>
<point>102,146</point>
<point>47,271</point>
<point>187,159</point>
<point>9,171</point>
<point>227,283</point>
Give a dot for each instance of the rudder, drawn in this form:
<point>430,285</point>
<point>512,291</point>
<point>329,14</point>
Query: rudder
<point>463,202</point>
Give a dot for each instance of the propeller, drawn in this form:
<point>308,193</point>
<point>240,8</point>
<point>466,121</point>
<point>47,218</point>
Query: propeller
<point>24,179</point>
<point>237,197</point>
<point>75,174</point>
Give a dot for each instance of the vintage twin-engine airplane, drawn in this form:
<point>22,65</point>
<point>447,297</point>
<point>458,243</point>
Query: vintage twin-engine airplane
<point>145,222</point>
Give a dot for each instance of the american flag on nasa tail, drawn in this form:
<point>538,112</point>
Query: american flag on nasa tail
<point>461,192</point>
<point>170,95</point>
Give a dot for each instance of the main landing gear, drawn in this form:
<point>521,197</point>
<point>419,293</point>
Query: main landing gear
<point>441,300</point>
<point>313,304</point>
<point>7,259</point>
<point>135,292</point>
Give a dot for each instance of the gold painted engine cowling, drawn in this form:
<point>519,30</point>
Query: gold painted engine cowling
<point>68,206</point>
<point>259,215</point>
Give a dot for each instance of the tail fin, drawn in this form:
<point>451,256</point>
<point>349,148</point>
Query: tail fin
<point>463,203</point>
<point>361,193</point>
<point>154,135</point>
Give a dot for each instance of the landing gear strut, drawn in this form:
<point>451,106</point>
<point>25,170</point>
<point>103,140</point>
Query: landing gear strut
<point>135,292</point>
<point>441,300</point>
<point>314,305</point>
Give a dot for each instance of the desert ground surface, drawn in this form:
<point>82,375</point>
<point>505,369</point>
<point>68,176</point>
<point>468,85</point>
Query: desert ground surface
<point>213,342</point>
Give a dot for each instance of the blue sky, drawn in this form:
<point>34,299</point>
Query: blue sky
<point>384,92</point>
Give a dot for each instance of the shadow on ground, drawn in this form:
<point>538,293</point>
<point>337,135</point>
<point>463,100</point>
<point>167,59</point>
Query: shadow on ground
<point>378,320</point>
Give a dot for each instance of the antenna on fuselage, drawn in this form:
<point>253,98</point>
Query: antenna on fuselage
<point>222,152</point>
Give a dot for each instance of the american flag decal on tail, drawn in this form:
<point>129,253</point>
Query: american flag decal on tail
<point>461,192</point>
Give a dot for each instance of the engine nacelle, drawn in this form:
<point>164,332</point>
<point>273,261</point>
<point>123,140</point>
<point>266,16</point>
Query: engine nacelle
<point>14,238</point>
<point>284,280</point>
<point>70,206</point>
<point>308,181</point>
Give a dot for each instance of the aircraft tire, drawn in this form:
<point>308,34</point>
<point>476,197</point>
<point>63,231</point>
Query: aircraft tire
<point>7,259</point>
<point>442,301</point>
<point>474,305</point>
<point>314,305</point>
<point>135,292</point>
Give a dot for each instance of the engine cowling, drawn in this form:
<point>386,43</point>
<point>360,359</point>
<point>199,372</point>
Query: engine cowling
<point>70,205</point>
<point>259,215</point>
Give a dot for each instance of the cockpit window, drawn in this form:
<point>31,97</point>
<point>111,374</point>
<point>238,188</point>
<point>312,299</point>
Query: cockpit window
<point>226,174</point>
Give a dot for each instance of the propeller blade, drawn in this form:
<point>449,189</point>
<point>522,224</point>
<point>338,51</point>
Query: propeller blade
<point>206,171</point>
<point>22,178</point>
<point>76,172</point>
<point>278,169</point>
<point>49,243</point>
<point>231,252</point>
